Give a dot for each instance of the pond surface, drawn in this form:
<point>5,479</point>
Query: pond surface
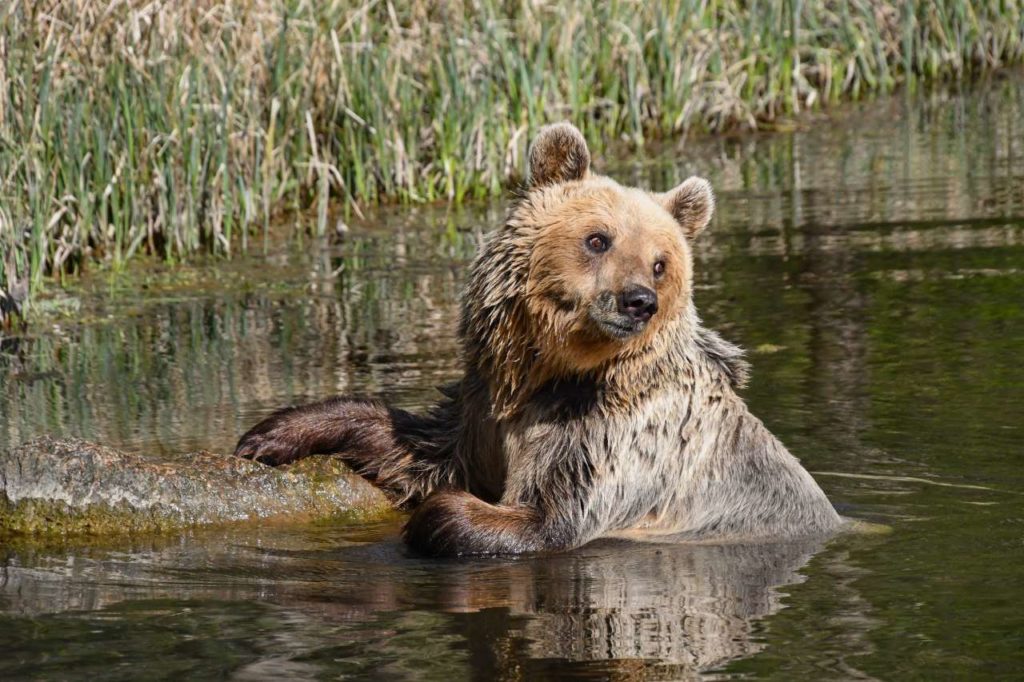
<point>873,264</point>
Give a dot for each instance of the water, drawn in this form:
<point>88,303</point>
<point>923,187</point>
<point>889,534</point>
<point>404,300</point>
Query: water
<point>873,263</point>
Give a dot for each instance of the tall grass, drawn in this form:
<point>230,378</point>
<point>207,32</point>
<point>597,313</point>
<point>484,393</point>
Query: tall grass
<point>169,127</point>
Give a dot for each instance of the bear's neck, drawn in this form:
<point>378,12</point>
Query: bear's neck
<point>674,360</point>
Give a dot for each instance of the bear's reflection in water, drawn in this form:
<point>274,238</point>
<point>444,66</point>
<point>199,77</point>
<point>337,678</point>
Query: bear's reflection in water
<point>619,604</point>
<point>692,606</point>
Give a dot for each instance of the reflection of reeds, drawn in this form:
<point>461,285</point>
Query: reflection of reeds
<point>192,361</point>
<point>171,127</point>
<point>190,365</point>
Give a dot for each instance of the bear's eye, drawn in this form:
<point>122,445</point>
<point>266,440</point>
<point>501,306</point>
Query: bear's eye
<point>598,243</point>
<point>659,268</point>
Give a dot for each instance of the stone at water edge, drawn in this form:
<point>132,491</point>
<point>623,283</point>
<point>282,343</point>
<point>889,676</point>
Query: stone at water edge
<point>52,486</point>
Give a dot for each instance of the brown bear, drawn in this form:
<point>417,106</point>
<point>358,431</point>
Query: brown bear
<point>593,402</point>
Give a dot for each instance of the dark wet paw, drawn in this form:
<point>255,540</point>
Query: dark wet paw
<point>267,448</point>
<point>438,526</point>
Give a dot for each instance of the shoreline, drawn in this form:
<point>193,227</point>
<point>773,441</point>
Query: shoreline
<point>180,151</point>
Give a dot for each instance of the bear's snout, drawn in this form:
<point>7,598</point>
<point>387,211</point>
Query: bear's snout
<point>624,314</point>
<point>638,303</point>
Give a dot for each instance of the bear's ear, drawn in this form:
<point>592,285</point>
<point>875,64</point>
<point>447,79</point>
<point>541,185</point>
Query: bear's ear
<point>691,204</point>
<point>558,154</point>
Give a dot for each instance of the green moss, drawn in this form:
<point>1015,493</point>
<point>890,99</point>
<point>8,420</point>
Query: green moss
<point>49,517</point>
<point>54,487</point>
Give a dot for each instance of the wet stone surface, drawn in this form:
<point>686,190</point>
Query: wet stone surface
<point>59,487</point>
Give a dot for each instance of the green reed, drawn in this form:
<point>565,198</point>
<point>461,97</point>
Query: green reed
<point>171,128</point>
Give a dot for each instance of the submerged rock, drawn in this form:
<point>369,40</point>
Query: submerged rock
<point>68,486</point>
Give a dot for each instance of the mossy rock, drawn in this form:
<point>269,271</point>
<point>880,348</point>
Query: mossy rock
<point>72,487</point>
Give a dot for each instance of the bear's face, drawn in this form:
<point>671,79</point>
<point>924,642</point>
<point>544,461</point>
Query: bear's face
<point>609,265</point>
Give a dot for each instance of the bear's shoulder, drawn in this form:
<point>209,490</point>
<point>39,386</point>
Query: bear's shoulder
<point>726,356</point>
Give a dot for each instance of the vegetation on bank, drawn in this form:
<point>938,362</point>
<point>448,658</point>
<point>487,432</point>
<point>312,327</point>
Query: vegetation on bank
<point>166,127</point>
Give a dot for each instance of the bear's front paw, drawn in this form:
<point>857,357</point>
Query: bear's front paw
<point>268,447</point>
<point>456,523</point>
<point>441,526</point>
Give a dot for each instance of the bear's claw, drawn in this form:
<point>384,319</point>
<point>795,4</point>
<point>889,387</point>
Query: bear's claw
<point>266,449</point>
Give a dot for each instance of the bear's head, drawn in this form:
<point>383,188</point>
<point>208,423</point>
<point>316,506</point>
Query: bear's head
<point>584,273</point>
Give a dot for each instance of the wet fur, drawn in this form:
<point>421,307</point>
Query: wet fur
<point>558,434</point>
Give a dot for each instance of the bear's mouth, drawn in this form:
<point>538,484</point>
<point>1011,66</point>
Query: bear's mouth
<point>622,330</point>
<point>611,323</point>
<point>616,326</point>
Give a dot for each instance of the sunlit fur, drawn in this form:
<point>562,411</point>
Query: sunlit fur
<point>544,331</point>
<point>559,431</point>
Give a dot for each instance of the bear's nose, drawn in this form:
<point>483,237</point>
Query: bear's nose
<point>640,303</point>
